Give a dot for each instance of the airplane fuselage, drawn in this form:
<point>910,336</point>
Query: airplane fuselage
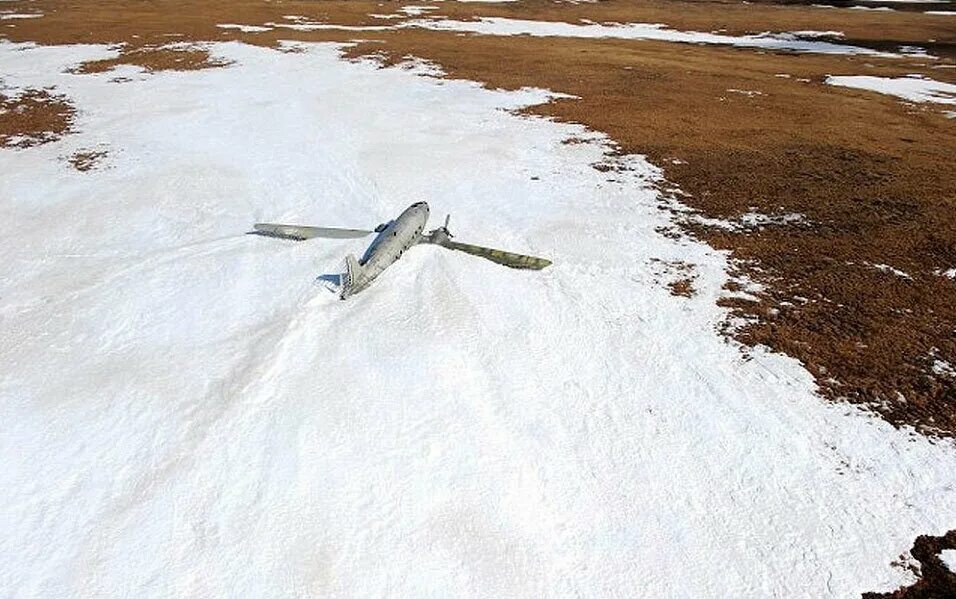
<point>392,241</point>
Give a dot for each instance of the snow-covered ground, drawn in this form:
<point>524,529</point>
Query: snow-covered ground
<point>948,556</point>
<point>790,42</point>
<point>914,88</point>
<point>186,414</point>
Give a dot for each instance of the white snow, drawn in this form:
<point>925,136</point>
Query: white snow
<point>308,26</point>
<point>948,557</point>
<point>749,220</point>
<point>8,16</point>
<point>757,219</point>
<point>750,93</point>
<point>817,34</point>
<point>646,31</point>
<point>944,368</point>
<point>914,88</point>
<point>415,11</point>
<point>244,28</point>
<point>185,414</point>
<point>890,270</point>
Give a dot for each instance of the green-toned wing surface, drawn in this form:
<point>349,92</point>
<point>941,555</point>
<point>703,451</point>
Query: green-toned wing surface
<point>300,233</point>
<point>500,256</point>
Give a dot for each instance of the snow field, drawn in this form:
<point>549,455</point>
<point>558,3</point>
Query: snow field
<point>187,414</point>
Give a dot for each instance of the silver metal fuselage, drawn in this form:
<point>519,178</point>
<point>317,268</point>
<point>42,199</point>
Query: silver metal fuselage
<point>391,242</point>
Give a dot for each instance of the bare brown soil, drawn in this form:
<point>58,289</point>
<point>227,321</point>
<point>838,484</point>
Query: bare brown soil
<point>871,177</point>
<point>153,59</point>
<point>682,287</point>
<point>935,580</point>
<point>86,160</point>
<point>33,117</point>
<point>680,277</point>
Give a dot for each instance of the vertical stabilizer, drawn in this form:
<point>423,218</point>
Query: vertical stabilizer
<point>343,283</point>
<point>352,277</point>
<point>352,270</point>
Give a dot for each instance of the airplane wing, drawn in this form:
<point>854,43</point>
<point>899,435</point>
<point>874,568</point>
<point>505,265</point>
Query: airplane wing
<point>509,259</point>
<point>301,233</point>
<point>442,236</point>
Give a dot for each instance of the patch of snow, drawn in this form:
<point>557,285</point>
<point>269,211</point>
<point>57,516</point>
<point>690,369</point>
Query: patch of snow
<point>817,34</point>
<point>420,66</point>
<point>757,219</point>
<point>874,8</point>
<point>914,88</point>
<point>951,273</point>
<point>186,414</point>
<point>948,557</point>
<point>749,220</point>
<point>643,31</point>
<point>6,17</point>
<point>890,270</point>
<point>948,13</point>
<point>944,368</point>
<point>244,28</point>
<point>307,26</point>
<point>745,92</point>
<point>415,11</point>
<point>915,52</point>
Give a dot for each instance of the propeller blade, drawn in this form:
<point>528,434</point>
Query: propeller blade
<point>300,233</point>
<point>509,259</point>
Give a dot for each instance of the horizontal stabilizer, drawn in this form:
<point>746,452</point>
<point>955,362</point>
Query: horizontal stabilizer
<point>331,282</point>
<point>301,233</point>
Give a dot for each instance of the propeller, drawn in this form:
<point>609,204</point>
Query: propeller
<point>300,233</point>
<point>442,236</point>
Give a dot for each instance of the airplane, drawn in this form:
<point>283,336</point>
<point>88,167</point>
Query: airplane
<point>393,239</point>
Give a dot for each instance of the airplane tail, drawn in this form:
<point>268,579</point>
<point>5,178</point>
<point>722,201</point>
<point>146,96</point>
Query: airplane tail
<point>342,283</point>
<point>352,271</point>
